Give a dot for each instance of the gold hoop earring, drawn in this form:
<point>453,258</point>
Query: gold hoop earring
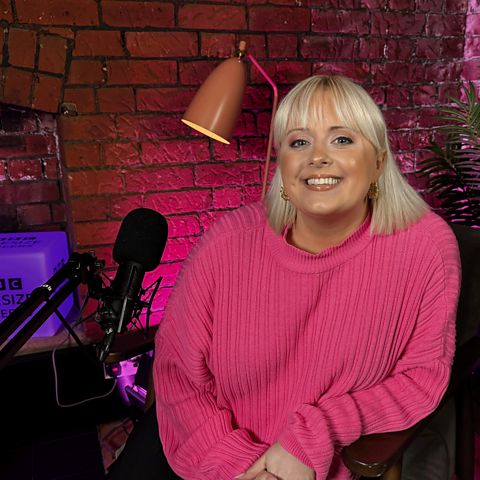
<point>283,194</point>
<point>374,191</point>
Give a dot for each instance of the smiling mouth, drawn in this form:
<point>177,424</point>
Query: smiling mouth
<point>323,181</point>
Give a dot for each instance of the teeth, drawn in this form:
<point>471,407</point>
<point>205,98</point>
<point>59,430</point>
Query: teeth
<point>323,181</point>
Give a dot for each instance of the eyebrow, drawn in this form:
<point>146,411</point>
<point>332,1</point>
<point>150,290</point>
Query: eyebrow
<point>335,127</point>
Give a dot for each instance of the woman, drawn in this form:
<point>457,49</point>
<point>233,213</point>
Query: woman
<point>293,330</point>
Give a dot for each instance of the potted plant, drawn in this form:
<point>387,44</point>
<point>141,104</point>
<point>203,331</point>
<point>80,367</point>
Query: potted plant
<point>454,170</point>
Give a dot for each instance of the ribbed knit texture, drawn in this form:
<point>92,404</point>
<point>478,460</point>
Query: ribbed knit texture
<point>261,341</point>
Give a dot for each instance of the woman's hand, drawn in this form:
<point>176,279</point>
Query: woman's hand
<point>277,464</point>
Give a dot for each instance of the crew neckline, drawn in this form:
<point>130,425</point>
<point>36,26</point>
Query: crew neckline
<point>295,259</point>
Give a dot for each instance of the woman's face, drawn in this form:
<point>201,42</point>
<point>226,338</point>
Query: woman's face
<point>327,168</point>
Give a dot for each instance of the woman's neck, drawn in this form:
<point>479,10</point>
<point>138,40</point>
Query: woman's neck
<point>314,235</point>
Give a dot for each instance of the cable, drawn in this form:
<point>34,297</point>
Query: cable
<point>56,381</point>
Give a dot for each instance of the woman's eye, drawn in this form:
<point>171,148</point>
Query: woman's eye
<point>343,140</point>
<point>298,143</point>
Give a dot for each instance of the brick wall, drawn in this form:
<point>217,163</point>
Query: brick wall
<point>131,68</point>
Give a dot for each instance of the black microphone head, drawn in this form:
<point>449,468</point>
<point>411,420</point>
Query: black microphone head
<point>141,238</point>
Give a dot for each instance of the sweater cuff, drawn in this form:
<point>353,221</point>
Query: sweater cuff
<point>288,441</point>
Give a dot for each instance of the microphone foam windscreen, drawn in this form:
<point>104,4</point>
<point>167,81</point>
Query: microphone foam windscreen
<point>141,238</point>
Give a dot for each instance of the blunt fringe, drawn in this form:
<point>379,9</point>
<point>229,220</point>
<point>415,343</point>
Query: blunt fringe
<point>398,205</point>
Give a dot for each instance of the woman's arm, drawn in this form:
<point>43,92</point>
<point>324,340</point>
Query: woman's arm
<point>197,436</point>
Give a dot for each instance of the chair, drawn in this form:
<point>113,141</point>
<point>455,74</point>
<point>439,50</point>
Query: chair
<point>380,455</point>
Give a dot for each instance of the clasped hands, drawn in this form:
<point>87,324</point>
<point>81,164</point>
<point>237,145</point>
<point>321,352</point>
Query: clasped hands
<point>277,464</point>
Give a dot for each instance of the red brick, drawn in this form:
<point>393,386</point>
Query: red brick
<point>445,25</point>
<point>183,226</point>
<point>253,148</point>
<point>175,151</point>
<point>424,95</point>
<point>401,118</point>
<point>421,138</point>
<point>59,213</point>
<point>169,272</point>
<point>221,151</point>
<point>22,45</point>
<point>97,182</point>
<point>208,218</point>
<point>6,11</point>
<point>245,125</point>
<point>402,4</point>
<point>377,93</point>
<point>46,122</point>
<point>428,48</point>
<point>138,14</point>
<point>121,205</point>
<point>282,72</point>
<point>430,5</point>
<point>116,99</point>
<point>443,72</point>
<point>227,174</point>
<point>388,23</point>
<point>328,47</point>
<point>217,45</point>
<point>212,17</point>
<point>460,6</point>
<point>150,126</point>
<point>90,208</point>
<point>92,127</point>
<point>86,72</point>
<point>178,248</point>
<point>405,161</point>
<point>18,85</point>
<point>251,194</point>
<point>62,32</point>
<point>26,145</point>
<point>162,44</point>
<point>230,197</point>
<point>158,306</point>
<point>3,175</point>
<point>178,202</point>
<point>255,45</point>
<point>428,118</point>
<point>397,73</point>
<point>472,47</point>
<point>398,96</point>
<point>453,47</point>
<point>355,70</point>
<point>398,140</point>
<point>400,49</point>
<point>47,93</point>
<point>452,90</point>
<point>282,46</point>
<point>14,194</point>
<point>96,233</point>
<point>164,99</point>
<point>348,4</point>
<point>263,123</point>
<point>128,72</point>
<point>52,168</point>
<point>159,178</point>
<point>372,47</point>
<point>58,12</point>
<point>34,214</point>
<point>53,54</point>
<point>340,21</point>
<point>83,98</point>
<point>121,154</point>
<point>258,97</point>
<point>93,43</point>
<point>194,73</point>
<point>471,70</point>
<point>279,19</point>
<point>25,170</point>
<point>82,155</point>
<point>374,4</point>
<point>473,24</point>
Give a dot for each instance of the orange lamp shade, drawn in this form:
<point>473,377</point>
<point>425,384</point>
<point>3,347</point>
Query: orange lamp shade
<point>216,107</point>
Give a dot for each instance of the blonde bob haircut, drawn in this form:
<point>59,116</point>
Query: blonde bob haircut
<point>398,205</point>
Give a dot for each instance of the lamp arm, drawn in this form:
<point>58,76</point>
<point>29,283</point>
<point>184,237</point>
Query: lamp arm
<point>270,135</point>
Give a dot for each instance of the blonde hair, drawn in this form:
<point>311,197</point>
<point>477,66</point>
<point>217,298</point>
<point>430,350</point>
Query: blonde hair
<point>398,205</point>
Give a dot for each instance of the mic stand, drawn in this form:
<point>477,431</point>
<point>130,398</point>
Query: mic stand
<point>80,268</point>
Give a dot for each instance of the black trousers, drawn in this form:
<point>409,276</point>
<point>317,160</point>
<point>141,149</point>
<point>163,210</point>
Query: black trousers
<point>143,457</point>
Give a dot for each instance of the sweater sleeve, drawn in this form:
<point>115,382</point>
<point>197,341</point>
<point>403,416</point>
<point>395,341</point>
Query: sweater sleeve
<point>198,438</point>
<point>409,393</point>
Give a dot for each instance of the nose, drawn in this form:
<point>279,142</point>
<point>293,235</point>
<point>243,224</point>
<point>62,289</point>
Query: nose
<point>319,157</point>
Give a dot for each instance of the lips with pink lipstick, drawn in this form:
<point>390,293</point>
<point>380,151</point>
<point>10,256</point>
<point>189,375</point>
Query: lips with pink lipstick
<point>322,183</point>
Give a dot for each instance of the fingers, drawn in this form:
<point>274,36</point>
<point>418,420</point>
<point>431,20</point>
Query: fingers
<point>264,475</point>
<point>256,469</point>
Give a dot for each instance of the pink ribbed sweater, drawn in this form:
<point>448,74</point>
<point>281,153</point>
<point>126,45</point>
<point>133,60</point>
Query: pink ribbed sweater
<point>261,341</point>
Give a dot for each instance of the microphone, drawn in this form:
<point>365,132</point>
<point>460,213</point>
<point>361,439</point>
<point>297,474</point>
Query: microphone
<point>138,249</point>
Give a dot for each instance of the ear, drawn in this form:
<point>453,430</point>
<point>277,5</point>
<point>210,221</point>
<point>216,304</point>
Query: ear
<point>380,163</point>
